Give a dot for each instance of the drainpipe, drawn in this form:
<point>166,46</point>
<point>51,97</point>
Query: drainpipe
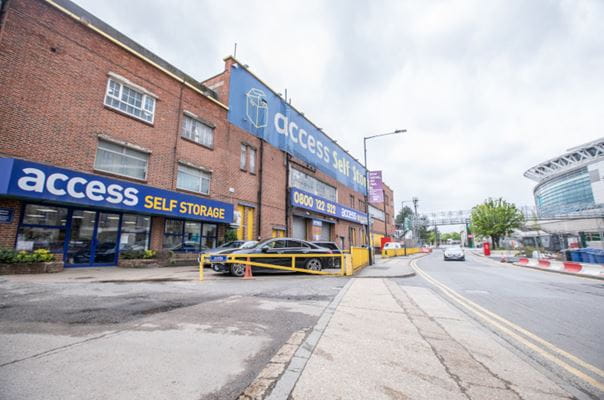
<point>287,207</point>
<point>260,176</point>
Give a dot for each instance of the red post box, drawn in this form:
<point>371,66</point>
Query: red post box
<point>486,248</point>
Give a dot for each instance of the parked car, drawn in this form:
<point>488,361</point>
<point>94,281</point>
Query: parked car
<point>392,245</point>
<point>281,246</point>
<point>335,262</point>
<point>454,253</point>
<point>217,255</point>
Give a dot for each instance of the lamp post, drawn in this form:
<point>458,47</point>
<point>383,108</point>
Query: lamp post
<point>368,226</point>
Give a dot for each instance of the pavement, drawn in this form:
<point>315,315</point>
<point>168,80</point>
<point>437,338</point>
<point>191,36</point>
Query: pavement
<point>394,339</point>
<point>389,267</point>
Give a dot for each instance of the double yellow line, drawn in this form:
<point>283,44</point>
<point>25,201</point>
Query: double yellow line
<point>521,335</point>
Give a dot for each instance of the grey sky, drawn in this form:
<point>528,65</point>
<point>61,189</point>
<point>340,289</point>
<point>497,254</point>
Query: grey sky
<point>486,89</point>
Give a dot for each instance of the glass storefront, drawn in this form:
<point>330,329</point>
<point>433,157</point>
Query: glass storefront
<point>189,236</point>
<point>86,237</point>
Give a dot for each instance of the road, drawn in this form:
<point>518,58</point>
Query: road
<point>126,334</point>
<point>563,310</point>
<point>458,330</point>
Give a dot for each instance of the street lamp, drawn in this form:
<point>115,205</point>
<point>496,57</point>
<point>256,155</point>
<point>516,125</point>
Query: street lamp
<point>368,226</point>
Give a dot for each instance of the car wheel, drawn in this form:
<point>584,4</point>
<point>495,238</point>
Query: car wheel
<point>238,270</point>
<point>314,264</point>
<point>463,259</point>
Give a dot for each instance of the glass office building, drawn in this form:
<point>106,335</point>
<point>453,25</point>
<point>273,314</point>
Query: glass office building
<point>565,194</point>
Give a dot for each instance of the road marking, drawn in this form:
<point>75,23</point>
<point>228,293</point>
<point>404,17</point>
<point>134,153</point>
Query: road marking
<point>492,318</point>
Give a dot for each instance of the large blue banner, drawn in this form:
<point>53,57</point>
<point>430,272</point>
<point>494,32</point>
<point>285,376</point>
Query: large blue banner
<point>309,201</point>
<point>257,109</point>
<point>31,180</point>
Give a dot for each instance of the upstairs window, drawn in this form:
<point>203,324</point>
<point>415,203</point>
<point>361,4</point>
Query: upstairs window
<point>247,158</point>
<point>197,131</point>
<point>129,100</point>
<point>121,160</point>
<point>193,179</point>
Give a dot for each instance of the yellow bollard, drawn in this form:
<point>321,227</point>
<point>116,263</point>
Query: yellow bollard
<point>348,263</point>
<point>201,262</point>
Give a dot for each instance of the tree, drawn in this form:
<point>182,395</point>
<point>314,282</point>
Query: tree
<point>495,218</point>
<point>403,220</point>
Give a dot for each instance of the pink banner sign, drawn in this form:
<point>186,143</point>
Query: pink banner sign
<point>376,189</point>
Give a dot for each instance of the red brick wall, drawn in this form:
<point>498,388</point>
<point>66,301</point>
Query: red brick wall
<point>53,82</point>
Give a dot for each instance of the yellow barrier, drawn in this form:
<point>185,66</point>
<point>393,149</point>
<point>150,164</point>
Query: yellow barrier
<point>360,257</point>
<point>248,259</point>
<point>401,252</point>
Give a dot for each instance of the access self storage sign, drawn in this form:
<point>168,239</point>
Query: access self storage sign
<point>257,109</point>
<point>25,179</point>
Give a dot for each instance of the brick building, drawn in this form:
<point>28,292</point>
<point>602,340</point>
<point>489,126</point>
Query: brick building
<point>106,147</point>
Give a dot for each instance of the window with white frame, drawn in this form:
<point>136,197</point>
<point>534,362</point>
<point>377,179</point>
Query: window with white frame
<point>252,160</point>
<point>129,100</point>
<point>243,157</point>
<point>121,160</point>
<point>247,158</point>
<point>193,179</point>
<point>197,131</point>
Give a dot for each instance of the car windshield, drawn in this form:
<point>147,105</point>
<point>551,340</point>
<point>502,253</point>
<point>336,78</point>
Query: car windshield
<point>249,245</point>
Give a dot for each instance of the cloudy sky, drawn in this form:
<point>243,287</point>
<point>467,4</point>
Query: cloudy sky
<point>486,89</point>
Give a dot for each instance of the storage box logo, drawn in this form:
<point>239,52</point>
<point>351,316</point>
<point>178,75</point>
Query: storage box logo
<point>256,108</point>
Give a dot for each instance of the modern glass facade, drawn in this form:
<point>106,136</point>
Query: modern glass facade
<point>565,194</point>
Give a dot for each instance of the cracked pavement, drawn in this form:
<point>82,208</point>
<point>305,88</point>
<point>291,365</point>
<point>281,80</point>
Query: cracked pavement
<point>390,341</point>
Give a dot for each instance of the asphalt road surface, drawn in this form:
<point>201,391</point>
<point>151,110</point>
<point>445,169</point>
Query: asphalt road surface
<point>95,337</point>
<point>565,311</point>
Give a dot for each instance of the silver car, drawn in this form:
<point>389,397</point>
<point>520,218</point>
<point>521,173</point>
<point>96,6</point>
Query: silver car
<point>454,253</point>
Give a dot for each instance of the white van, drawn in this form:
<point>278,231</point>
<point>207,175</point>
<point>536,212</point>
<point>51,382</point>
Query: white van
<point>392,245</point>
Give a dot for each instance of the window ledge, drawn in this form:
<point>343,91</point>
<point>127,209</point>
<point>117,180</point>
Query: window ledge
<point>197,143</point>
<point>196,166</point>
<point>132,146</point>
<point>100,171</point>
<point>125,114</point>
<point>198,118</point>
<point>128,82</point>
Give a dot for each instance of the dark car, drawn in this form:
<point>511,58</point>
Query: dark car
<point>334,262</point>
<point>282,246</point>
<point>216,256</point>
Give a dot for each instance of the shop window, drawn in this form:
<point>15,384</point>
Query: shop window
<point>129,100</point>
<point>135,232</point>
<point>121,160</point>
<point>247,158</point>
<point>198,131</point>
<point>193,179</point>
<point>189,236</point>
<point>42,227</point>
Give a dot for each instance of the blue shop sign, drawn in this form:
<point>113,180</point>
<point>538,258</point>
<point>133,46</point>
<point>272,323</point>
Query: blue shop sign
<point>308,201</point>
<point>31,180</point>
<point>257,109</point>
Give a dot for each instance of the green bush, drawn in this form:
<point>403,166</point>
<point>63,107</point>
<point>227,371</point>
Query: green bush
<point>137,254</point>
<point>11,256</point>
